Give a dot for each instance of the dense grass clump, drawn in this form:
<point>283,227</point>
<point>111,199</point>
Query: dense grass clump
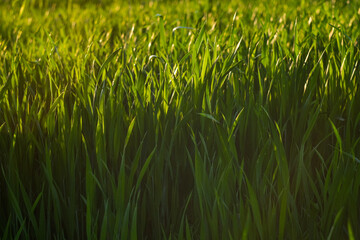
<point>186,120</point>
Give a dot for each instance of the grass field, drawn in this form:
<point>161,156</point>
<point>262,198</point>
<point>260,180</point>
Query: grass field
<point>179,120</point>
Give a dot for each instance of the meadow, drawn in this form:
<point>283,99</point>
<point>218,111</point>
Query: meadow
<point>179,120</point>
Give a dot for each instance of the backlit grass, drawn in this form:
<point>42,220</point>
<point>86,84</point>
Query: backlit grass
<point>179,120</point>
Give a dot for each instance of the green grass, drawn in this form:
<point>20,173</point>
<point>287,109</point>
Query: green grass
<point>186,120</point>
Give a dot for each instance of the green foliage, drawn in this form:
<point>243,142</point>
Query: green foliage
<point>179,120</point>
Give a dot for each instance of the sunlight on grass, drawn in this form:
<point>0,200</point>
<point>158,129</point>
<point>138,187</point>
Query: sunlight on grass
<point>179,120</point>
